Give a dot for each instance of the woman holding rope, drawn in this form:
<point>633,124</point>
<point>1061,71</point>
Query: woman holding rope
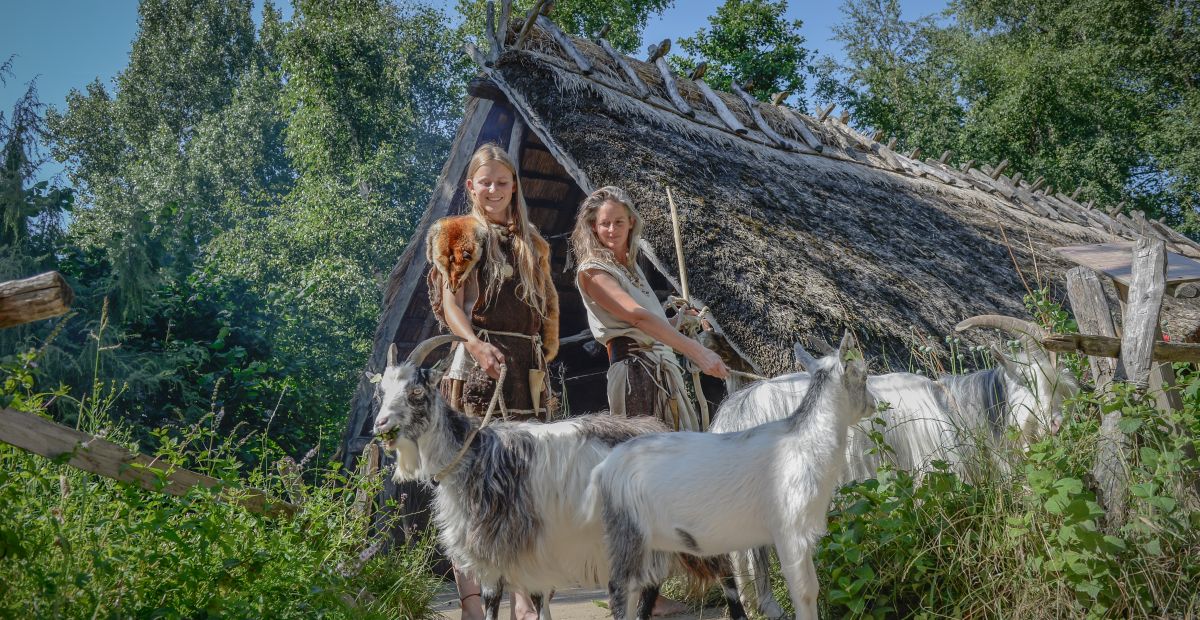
<point>644,377</point>
<point>505,309</point>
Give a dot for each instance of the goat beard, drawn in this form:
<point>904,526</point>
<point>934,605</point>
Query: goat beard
<point>408,459</point>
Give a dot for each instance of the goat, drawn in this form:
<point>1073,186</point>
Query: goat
<point>925,420</point>
<point>706,494</point>
<point>509,504</point>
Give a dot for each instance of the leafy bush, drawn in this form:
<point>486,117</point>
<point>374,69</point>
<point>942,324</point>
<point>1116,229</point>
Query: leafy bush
<point>76,545</point>
<point>1032,542</point>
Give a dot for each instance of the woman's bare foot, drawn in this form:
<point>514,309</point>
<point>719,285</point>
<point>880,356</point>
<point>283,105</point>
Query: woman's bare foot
<point>664,606</point>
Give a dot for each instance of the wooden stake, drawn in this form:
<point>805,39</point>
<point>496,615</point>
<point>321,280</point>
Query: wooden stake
<point>723,111</point>
<point>825,113</point>
<point>683,282</point>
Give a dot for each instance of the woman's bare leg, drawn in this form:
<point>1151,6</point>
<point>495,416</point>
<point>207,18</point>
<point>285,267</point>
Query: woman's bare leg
<point>468,595</point>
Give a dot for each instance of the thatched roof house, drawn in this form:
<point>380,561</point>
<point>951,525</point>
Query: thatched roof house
<point>793,225</point>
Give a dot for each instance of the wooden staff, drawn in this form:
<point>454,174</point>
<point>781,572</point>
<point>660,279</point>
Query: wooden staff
<point>687,298</point>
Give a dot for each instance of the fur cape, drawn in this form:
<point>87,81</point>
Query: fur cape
<point>454,247</point>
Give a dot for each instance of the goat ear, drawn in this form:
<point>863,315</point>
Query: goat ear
<point>1006,363</point>
<point>848,349</point>
<point>393,353</point>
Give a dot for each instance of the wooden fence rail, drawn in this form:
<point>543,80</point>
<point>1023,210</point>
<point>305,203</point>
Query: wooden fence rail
<point>100,456</point>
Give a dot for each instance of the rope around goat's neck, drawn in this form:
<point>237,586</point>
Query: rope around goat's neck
<point>497,398</point>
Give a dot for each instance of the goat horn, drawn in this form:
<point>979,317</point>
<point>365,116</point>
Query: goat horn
<point>1029,333</point>
<point>422,350</point>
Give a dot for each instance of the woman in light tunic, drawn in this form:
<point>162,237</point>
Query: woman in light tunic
<point>644,377</point>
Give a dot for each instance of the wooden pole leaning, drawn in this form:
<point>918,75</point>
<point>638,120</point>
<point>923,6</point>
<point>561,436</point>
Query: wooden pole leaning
<point>687,298</point>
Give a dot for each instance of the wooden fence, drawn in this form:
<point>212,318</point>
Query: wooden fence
<point>48,295</point>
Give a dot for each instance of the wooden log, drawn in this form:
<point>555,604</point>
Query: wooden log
<point>999,169</point>
<point>825,113</point>
<point>546,8</point>
<point>779,97</point>
<point>1075,194</point>
<point>1016,179</point>
<point>603,34</point>
<point>1116,209</point>
<point>40,297</point>
<point>100,456</point>
<point>891,143</point>
<point>368,466</point>
<point>640,90</point>
<point>563,41</point>
<point>1146,288</point>
<point>484,88</point>
<point>672,90</point>
<point>915,153</point>
<point>1037,184</point>
<point>967,165</point>
<point>699,71</point>
<point>762,124</point>
<point>946,155</point>
<point>877,136</point>
<point>845,117</point>
<point>802,128</point>
<point>489,31</point>
<point>1094,317</point>
<point>657,50</point>
<point>1110,347</point>
<point>722,110</point>
<point>515,139</point>
<point>503,26</point>
<point>530,17</point>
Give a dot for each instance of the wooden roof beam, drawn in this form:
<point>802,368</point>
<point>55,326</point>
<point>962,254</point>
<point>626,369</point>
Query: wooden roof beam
<point>802,128</point>
<point>723,111</point>
<point>563,41</point>
<point>639,87</point>
<point>657,54</point>
<point>763,126</point>
<point>530,17</point>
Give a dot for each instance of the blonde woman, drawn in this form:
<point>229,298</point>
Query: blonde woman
<point>644,377</point>
<point>504,306</point>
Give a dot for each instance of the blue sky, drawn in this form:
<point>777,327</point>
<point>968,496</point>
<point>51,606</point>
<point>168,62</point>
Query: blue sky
<point>66,44</point>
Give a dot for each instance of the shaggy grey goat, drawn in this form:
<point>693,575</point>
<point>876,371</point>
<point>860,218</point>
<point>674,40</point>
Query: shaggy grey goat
<point>926,420</point>
<point>511,511</point>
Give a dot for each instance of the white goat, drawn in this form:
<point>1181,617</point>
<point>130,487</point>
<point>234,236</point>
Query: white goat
<point>706,494</point>
<point>926,420</point>
<point>511,511</point>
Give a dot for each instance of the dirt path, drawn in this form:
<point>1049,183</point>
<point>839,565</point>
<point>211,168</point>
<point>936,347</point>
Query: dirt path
<point>573,604</point>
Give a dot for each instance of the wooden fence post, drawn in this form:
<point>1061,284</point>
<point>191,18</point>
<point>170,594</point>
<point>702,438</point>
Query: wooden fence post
<point>1094,317</point>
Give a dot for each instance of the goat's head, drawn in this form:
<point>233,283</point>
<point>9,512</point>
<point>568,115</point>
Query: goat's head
<point>848,372</point>
<point>454,247</point>
<point>1037,387</point>
<point>408,403</point>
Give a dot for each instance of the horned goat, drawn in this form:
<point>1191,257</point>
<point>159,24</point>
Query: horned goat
<point>925,420</point>
<point>706,494</point>
<point>509,500</point>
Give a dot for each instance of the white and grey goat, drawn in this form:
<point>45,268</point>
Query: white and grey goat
<point>925,420</point>
<point>706,494</point>
<point>512,510</point>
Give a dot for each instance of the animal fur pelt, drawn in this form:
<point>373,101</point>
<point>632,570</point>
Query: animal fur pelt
<point>454,247</point>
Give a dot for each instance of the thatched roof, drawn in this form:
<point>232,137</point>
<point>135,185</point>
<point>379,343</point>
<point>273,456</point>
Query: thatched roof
<point>782,242</point>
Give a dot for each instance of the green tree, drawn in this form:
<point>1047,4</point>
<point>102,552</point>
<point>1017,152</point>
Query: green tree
<point>1099,94</point>
<point>751,43</point>
<point>626,18</point>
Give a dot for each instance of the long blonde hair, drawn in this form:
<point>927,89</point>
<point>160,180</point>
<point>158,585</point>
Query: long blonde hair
<point>533,281</point>
<point>584,242</point>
